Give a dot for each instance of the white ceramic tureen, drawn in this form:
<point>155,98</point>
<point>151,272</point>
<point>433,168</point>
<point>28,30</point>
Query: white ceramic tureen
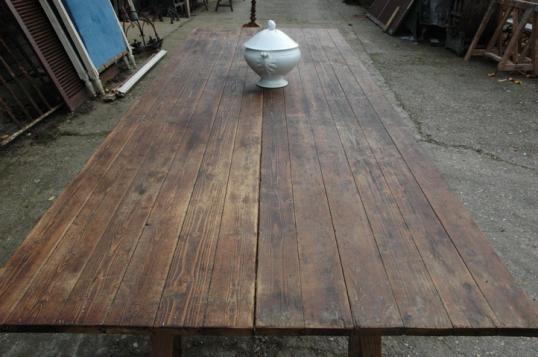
<point>272,54</point>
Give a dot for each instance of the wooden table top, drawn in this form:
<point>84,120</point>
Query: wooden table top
<point>217,207</point>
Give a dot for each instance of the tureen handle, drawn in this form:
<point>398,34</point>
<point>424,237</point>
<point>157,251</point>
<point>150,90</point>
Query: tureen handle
<point>271,25</point>
<point>264,55</point>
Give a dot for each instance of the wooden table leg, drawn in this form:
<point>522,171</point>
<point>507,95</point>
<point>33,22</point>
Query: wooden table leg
<point>364,346</point>
<point>165,345</point>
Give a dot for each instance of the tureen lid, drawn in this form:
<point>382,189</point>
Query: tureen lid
<point>271,39</point>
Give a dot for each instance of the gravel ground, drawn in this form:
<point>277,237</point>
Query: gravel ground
<point>481,133</point>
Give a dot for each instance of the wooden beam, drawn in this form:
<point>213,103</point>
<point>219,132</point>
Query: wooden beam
<point>516,33</point>
<point>499,29</point>
<point>481,29</point>
<point>165,345</point>
<point>364,346</point>
<point>534,45</point>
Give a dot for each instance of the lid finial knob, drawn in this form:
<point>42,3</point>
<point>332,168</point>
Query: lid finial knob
<point>271,25</point>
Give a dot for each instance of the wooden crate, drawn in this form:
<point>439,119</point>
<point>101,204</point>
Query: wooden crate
<point>514,44</point>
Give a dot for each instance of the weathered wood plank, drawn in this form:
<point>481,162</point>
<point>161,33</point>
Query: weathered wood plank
<point>49,289</point>
<point>34,251</point>
<point>310,205</point>
<point>324,295</point>
<point>165,345</point>
<point>151,260</point>
<point>370,294</point>
<point>231,294</point>
<point>364,346</point>
<point>509,302</point>
<point>185,294</point>
<point>418,301</point>
<point>80,238</point>
<point>461,296</point>
<point>91,297</point>
<point>278,282</point>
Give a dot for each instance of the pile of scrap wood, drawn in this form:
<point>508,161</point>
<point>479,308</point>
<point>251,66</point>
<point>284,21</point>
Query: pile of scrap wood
<point>514,44</point>
<point>389,14</point>
<point>459,19</point>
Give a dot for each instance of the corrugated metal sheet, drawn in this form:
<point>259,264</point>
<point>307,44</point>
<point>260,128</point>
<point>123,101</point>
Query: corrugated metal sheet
<point>49,49</point>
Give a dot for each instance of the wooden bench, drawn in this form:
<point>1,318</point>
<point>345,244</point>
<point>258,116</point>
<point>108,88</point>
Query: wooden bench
<point>216,207</point>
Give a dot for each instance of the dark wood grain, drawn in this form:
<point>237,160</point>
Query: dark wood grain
<point>185,294</point>
<point>370,294</point>
<point>217,207</point>
<point>278,294</point>
<point>324,292</point>
<point>150,262</point>
<point>415,293</point>
<point>509,302</point>
<point>231,294</point>
<point>461,296</point>
<point>47,233</point>
<point>165,345</point>
<point>95,289</point>
<point>364,346</point>
<point>325,303</point>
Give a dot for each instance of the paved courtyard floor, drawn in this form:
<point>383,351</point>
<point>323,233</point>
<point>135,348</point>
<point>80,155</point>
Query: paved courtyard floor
<point>482,133</point>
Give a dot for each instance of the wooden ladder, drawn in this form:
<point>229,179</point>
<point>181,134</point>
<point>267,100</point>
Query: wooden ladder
<point>514,44</point>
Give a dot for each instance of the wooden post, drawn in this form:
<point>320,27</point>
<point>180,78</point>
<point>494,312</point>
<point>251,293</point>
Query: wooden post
<point>165,345</point>
<point>364,346</point>
<point>252,22</point>
<point>513,45</point>
<point>534,44</point>
<point>188,8</point>
<point>499,29</point>
<point>481,29</point>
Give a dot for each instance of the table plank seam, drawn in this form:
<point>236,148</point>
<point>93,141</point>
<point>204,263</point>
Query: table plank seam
<point>300,276</point>
<point>308,113</point>
<point>356,233</point>
<point>193,187</point>
<point>403,216</point>
<point>191,114</point>
<point>243,75</point>
<point>92,161</point>
<point>357,320</point>
<point>427,198</point>
<point>398,216</point>
<point>154,236</point>
<point>157,143</point>
<point>257,260</point>
<point>403,157</point>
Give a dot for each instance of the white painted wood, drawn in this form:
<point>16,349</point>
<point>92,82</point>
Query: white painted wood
<point>79,67</point>
<point>129,84</point>
<point>77,41</point>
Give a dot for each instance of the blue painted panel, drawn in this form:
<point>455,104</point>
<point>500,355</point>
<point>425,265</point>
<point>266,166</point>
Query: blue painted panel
<point>98,27</point>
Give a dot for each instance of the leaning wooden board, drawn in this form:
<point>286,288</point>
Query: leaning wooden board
<point>216,207</point>
<point>389,14</point>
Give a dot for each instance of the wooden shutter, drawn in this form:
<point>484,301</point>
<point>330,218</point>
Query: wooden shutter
<point>49,49</point>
